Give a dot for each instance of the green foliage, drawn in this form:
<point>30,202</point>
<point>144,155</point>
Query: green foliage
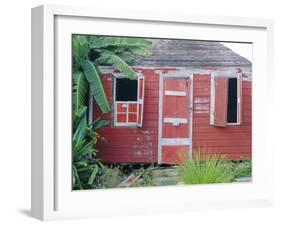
<point>95,84</point>
<point>89,52</point>
<point>80,91</point>
<point>205,168</point>
<point>109,57</point>
<point>146,176</point>
<point>80,50</point>
<point>84,167</point>
<point>243,168</point>
<point>109,177</point>
<point>103,42</point>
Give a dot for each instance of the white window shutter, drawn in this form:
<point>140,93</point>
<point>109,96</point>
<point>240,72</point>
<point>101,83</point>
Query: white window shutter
<point>140,100</point>
<point>239,98</point>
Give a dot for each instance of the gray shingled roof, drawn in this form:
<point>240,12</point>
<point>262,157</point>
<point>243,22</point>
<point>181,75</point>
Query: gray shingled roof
<point>188,53</point>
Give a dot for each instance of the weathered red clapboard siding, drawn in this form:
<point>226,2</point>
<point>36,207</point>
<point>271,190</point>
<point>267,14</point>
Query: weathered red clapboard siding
<point>125,144</point>
<point>233,141</point>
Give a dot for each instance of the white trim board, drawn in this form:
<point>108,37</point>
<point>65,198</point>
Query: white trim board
<point>175,141</point>
<point>175,93</point>
<point>175,121</point>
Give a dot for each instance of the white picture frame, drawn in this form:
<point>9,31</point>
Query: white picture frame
<point>52,197</point>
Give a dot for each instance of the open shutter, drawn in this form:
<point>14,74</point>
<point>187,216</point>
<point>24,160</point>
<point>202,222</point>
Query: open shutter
<point>140,101</point>
<point>239,98</point>
<point>219,99</point>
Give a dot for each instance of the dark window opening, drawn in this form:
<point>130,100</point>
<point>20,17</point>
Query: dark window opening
<point>126,89</point>
<point>232,101</point>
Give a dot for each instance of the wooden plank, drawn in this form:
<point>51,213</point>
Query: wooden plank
<point>223,143</point>
<point>175,141</point>
<point>221,98</point>
<point>209,129</point>
<point>205,120</point>
<point>151,92</point>
<point>140,106</point>
<point>240,98</point>
<point>128,159</point>
<point>174,154</point>
<point>224,150</point>
<point>201,100</point>
<point>175,121</point>
<point>201,78</point>
<point>129,180</point>
<point>175,93</point>
<point>223,136</point>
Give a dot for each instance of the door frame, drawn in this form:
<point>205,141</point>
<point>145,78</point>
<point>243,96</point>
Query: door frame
<point>161,91</point>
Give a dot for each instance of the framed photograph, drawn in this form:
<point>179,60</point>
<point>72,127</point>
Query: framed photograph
<point>136,113</point>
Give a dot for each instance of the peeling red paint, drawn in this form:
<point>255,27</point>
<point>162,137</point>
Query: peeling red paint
<point>132,144</point>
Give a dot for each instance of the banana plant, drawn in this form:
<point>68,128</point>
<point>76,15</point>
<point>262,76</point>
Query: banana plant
<point>84,168</point>
<point>90,52</point>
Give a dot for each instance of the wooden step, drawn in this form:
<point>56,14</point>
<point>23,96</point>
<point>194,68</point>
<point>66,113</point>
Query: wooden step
<point>162,181</point>
<point>129,180</point>
<point>166,172</point>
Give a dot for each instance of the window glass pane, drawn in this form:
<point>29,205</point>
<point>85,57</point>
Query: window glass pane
<point>232,101</point>
<point>126,89</point>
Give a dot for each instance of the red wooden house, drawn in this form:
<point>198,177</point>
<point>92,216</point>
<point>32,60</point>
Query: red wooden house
<point>189,95</point>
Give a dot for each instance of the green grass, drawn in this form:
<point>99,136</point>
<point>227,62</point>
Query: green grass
<point>206,168</point>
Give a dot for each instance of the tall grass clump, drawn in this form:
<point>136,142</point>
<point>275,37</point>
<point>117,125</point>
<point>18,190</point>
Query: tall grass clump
<point>205,167</point>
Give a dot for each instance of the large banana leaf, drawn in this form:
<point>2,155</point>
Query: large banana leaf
<point>114,41</point>
<point>75,178</point>
<point>80,48</point>
<point>81,152</point>
<point>80,91</point>
<point>98,123</point>
<point>139,51</point>
<point>93,174</point>
<point>80,130</point>
<point>95,84</point>
<point>108,57</point>
<point>129,59</point>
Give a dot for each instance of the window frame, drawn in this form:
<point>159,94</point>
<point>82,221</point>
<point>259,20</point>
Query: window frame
<point>237,103</point>
<point>239,78</point>
<point>115,112</point>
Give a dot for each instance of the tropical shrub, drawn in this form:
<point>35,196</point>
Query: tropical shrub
<point>147,177</point>
<point>109,177</point>
<point>205,168</point>
<point>243,168</point>
<point>84,166</point>
<point>90,51</point>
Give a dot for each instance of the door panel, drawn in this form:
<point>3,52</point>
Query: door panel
<point>172,155</point>
<point>175,119</point>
